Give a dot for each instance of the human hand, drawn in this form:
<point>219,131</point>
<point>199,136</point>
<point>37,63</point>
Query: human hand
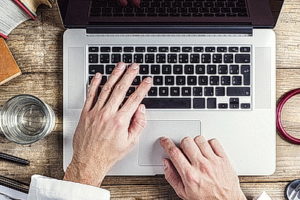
<point>106,132</point>
<point>133,2</point>
<point>200,170</point>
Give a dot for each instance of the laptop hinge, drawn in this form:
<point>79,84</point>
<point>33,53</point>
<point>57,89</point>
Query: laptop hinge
<point>175,29</point>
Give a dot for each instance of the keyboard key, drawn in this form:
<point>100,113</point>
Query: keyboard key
<point>233,49</point>
<point>197,91</point>
<point>128,49</point>
<point>234,69</point>
<point>175,91</point>
<point>186,91</point>
<point>172,58</point>
<point>245,49</point>
<point>200,69</point>
<point>163,49</point>
<point>198,49</point>
<point>222,49</point>
<point>138,58</point>
<point>205,58</point>
<point>166,69</point>
<point>211,103</point>
<point>140,49</point>
<point>117,49</point>
<point>155,69</point>
<point>175,49</point>
<point>245,105</point>
<point>171,103</point>
<point>211,69</point>
<point>214,80</point>
<point>152,49</point>
<point>144,69</point>
<point>192,80</point>
<point>245,71</point>
<point>178,69</point>
<point>189,69</point>
<point>222,105</point>
<point>217,58</point>
<point>130,91</point>
<point>199,103</point>
<point>210,49</point>
<point>208,91</point>
<point>127,58</point>
<point>169,80</point>
<point>180,80</point>
<point>109,69</point>
<point>236,80</point>
<point>228,58</point>
<point>203,80</point>
<point>225,80</point>
<point>186,49</point>
<point>149,58</point>
<point>220,91</point>
<point>223,69</point>
<point>195,58</point>
<point>157,80</point>
<point>163,91</point>
<point>104,58</point>
<point>234,103</point>
<point>136,81</point>
<point>152,91</point>
<point>242,58</point>
<point>105,49</point>
<point>93,69</point>
<point>183,58</point>
<point>115,58</point>
<point>238,91</point>
<point>103,80</point>
<point>93,58</point>
<point>93,49</point>
<point>160,58</point>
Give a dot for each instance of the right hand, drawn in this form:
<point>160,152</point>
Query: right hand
<point>200,170</point>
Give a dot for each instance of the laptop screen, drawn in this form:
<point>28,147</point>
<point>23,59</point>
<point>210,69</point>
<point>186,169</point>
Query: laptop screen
<point>83,13</point>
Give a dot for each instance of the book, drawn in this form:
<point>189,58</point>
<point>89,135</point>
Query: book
<point>8,66</point>
<point>15,12</point>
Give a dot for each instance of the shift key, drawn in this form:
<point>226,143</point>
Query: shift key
<point>167,103</point>
<point>238,91</point>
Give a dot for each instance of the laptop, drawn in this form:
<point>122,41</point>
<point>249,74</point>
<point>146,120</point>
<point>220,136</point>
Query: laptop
<point>213,68</point>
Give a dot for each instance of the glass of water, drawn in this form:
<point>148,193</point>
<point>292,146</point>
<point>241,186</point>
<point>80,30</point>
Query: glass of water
<point>25,119</point>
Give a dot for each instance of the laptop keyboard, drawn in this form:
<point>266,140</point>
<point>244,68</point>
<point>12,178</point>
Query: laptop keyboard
<point>184,77</point>
<point>172,8</point>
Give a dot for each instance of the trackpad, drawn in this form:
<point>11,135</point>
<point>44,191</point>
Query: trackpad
<point>150,151</point>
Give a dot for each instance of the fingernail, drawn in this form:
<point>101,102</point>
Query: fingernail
<point>162,138</point>
<point>98,75</point>
<point>121,66</point>
<point>165,164</point>
<point>135,66</point>
<point>143,108</point>
<point>148,80</point>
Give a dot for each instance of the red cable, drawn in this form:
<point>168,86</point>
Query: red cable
<point>283,133</point>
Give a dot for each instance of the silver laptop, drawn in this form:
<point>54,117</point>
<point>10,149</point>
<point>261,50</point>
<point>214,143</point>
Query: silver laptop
<point>213,67</point>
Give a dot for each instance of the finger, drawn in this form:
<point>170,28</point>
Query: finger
<point>138,122</point>
<point>112,80</point>
<point>119,92</point>
<point>179,161</point>
<point>136,98</point>
<point>123,3</point>
<point>204,147</point>
<point>136,3</point>
<point>217,148</point>
<point>92,93</point>
<point>191,150</point>
<point>173,178</point>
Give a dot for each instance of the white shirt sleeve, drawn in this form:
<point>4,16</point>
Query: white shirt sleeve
<point>44,188</point>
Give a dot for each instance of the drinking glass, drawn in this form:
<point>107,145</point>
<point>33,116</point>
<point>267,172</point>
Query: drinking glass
<point>25,119</point>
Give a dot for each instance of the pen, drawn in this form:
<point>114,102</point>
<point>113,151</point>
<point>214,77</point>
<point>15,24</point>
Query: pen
<point>14,184</point>
<point>14,159</point>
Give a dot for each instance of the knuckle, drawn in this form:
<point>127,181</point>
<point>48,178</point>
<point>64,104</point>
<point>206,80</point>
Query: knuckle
<point>174,151</point>
<point>118,121</point>
<point>120,87</point>
<point>191,178</point>
<point>107,87</point>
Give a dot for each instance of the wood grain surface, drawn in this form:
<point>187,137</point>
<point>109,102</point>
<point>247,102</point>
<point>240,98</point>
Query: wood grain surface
<point>37,47</point>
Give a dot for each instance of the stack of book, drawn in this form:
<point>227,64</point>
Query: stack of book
<point>13,13</point>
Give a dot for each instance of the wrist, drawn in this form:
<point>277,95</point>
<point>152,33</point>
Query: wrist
<point>83,174</point>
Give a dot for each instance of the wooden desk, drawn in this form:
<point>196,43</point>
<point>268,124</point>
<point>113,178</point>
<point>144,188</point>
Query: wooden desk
<point>37,47</point>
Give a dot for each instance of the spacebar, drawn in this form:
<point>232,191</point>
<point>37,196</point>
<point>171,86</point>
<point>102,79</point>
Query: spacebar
<point>167,103</point>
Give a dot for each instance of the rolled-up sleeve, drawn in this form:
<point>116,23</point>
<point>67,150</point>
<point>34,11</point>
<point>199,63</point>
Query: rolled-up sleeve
<point>44,188</point>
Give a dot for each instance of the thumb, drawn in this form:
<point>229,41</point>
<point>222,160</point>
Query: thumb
<point>138,122</point>
<point>173,178</point>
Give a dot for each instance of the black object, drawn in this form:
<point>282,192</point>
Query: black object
<point>292,190</point>
<point>14,159</point>
<point>14,184</point>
